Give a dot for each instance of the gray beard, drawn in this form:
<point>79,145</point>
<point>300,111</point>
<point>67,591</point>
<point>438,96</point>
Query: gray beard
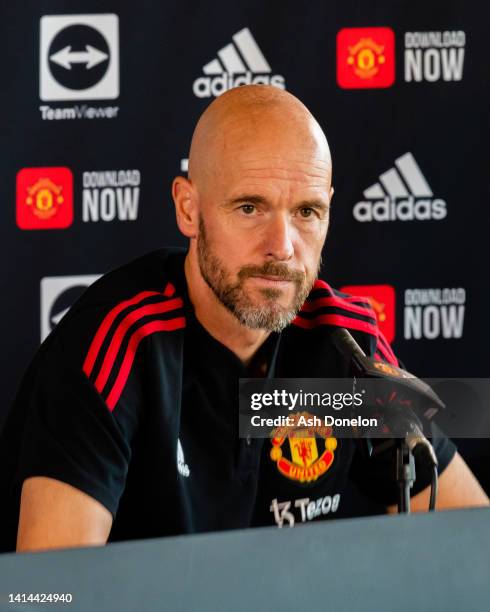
<point>269,316</point>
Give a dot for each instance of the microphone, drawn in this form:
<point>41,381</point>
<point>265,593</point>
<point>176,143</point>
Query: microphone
<point>400,419</point>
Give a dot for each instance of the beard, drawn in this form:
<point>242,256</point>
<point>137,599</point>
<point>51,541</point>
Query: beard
<point>268,314</point>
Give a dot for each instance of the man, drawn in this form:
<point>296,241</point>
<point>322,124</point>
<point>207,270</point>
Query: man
<point>130,425</point>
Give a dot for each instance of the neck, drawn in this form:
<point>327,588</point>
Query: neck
<point>218,320</point>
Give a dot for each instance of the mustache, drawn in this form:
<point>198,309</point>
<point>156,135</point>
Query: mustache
<point>280,271</point>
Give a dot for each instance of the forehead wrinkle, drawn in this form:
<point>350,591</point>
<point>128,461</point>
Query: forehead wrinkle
<point>286,167</point>
<point>307,159</point>
<point>319,181</point>
<point>297,175</point>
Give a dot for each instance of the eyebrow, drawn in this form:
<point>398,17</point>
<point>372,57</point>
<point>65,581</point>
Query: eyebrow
<point>253,199</point>
<point>258,199</point>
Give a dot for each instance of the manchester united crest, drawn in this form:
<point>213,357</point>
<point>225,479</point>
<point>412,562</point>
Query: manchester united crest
<point>44,198</point>
<point>303,453</point>
<point>366,57</point>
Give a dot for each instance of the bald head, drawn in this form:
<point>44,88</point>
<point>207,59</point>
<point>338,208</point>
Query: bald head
<point>255,208</point>
<point>254,121</point>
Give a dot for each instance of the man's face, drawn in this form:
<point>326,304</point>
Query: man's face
<point>264,218</point>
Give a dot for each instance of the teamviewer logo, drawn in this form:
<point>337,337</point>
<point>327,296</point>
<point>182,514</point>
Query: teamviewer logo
<point>58,294</point>
<point>79,57</point>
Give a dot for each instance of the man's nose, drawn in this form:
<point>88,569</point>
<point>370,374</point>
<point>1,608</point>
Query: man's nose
<point>278,239</point>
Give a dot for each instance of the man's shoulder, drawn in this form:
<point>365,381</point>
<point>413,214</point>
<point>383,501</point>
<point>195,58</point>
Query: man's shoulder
<point>326,308</point>
<point>128,303</point>
<point>149,272</point>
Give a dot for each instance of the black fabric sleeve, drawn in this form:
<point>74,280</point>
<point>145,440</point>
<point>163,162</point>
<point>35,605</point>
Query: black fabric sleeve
<point>69,433</point>
<point>376,476</point>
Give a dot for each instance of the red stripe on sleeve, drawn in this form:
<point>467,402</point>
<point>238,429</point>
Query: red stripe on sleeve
<point>338,320</point>
<point>384,349</point>
<point>104,327</point>
<point>169,290</point>
<point>136,338</point>
<point>122,328</point>
<point>337,303</point>
<point>356,298</point>
<point>321,284</point>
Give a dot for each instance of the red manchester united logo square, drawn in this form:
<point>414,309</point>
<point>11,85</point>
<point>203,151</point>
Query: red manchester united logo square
<point>365,58</point>
<point>44,198</point>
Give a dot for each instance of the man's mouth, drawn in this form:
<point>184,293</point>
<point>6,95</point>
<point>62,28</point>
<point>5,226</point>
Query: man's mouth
<point>272,281</point>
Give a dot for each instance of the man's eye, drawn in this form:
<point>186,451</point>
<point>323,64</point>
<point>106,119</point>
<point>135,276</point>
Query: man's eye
<point>306,212</point>
<point>248,209</point>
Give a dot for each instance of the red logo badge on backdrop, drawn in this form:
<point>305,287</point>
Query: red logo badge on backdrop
<point>382,299</point>
<point>365,58</point>
<point>44,198</point>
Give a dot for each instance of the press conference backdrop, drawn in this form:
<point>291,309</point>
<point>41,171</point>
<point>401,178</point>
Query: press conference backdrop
<point>98,104</point>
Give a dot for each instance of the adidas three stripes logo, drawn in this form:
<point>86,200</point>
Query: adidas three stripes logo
<point>238,58</point>
<point>408,180</point>
<point>240,62</point>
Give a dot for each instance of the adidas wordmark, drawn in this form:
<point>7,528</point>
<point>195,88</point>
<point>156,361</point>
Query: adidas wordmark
<point>402,194</point>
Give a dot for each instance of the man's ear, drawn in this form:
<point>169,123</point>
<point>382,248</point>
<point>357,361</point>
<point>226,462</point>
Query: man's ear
<point>330,194</point>
<point>186,206</point>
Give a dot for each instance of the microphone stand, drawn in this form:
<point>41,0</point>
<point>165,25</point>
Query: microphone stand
<point>405,474</point>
